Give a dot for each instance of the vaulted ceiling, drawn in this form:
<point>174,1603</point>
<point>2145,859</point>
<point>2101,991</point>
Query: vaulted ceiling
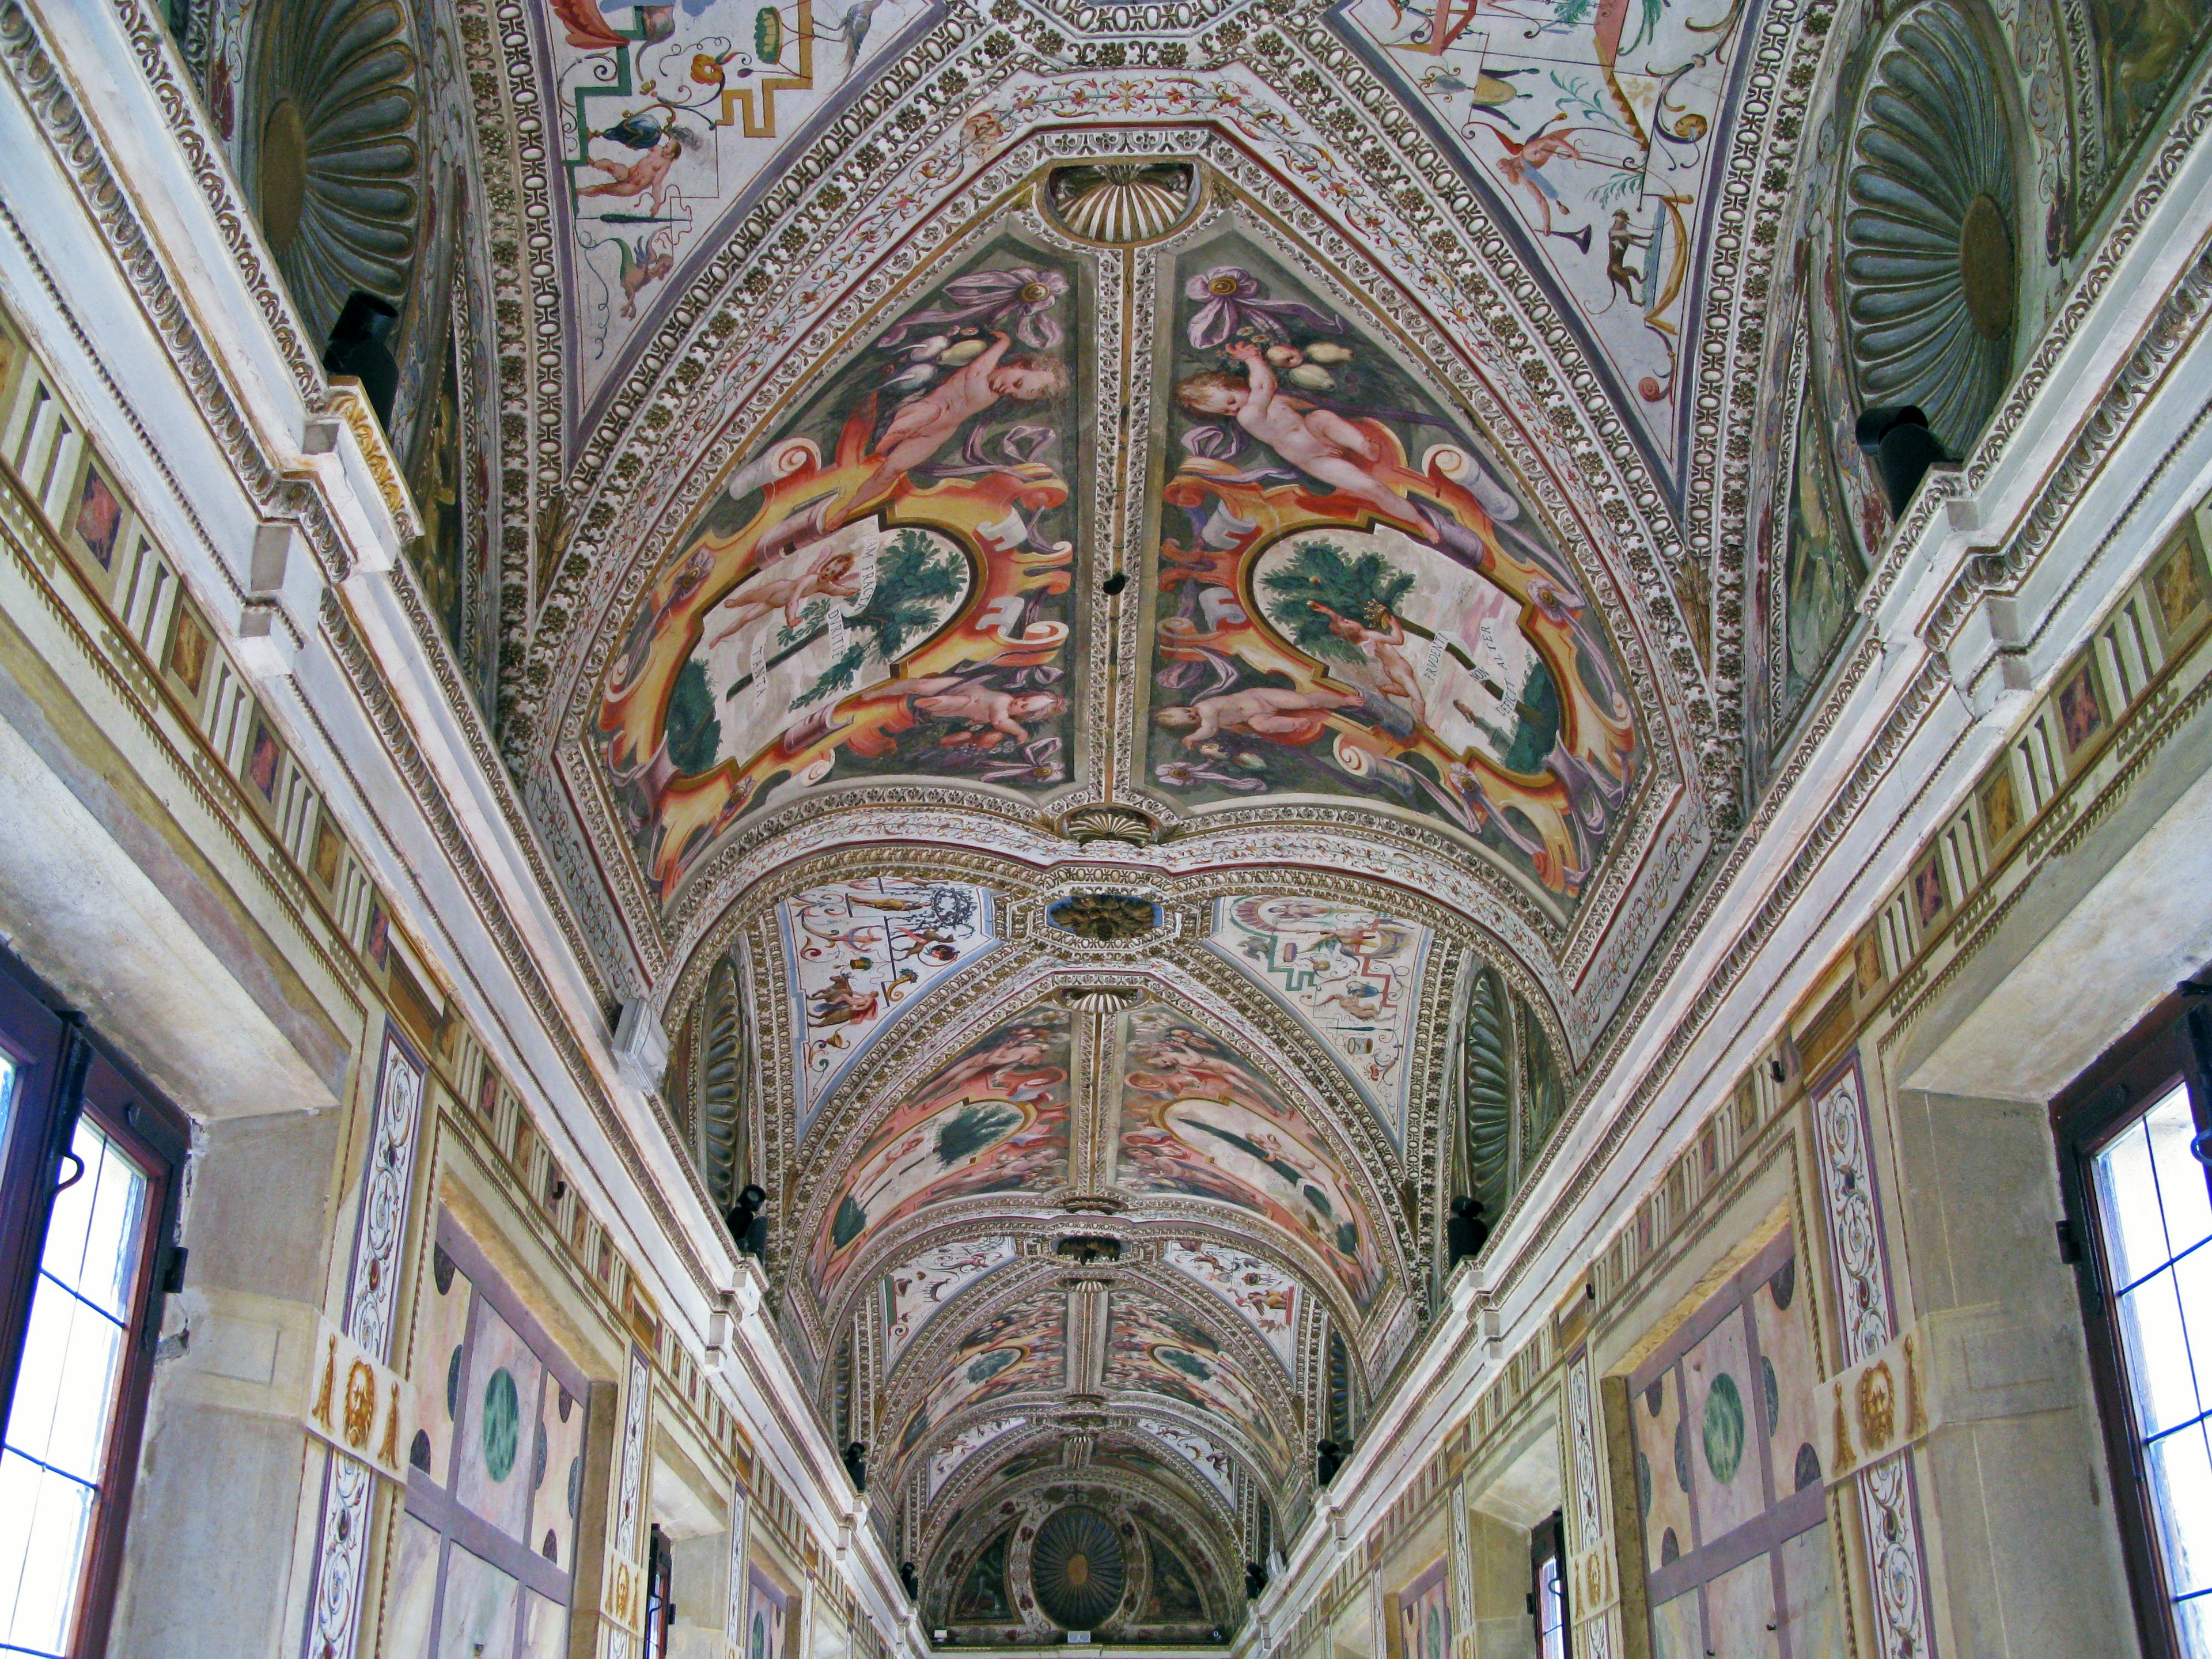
<point>1134,621</point>
<point>1125,627</point>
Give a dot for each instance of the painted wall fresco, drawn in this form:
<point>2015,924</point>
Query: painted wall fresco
<point>672,120</point>
<point>859,953</point>
<point>1264,1295</point>
<point>1592,130</point>
<point>881,591</point>
<point>914,1290</point>
<point>1352,601</point>
<point>1728,1476</point>
<point>994,1120</point>
<point>1421,1626</point>
<point>1024,1347</point>
<point>1214,1466</point>
<point>1198,1122</point>
<point>955,1452</point>
<point>1351,975</point>
<point>981,1594</point>
<point>1172,1595</point>
<point>2143,47</point>
<point>1154,1349</point>
<point>1823,568</point>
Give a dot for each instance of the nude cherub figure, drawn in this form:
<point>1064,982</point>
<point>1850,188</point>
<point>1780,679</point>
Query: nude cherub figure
<point>949,697</point>
<point>920,425</point>
<point>785,585</point>
<point>1264,711</point>
<point>1383,646</point>
<point>648,175</point>
<point>1021,1051</point>
<point>1318,442</point>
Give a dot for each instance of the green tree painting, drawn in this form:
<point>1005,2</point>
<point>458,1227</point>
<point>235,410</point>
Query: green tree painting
<point>915,582</point>
<point>1319,574</point>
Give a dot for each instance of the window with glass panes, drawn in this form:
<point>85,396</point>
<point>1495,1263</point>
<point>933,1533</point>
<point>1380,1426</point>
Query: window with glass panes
<point>2139,1202</point>
<point>483,1555</point>
<point>87,1158</point>
<point>1548,1601</point>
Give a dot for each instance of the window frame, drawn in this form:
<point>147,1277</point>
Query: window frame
<point>2173,1046</point>
<point>1548,1548</point>
<point>67,1074</point>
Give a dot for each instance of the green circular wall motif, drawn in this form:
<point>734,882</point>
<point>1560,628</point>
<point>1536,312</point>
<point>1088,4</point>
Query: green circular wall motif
<point>502,1419</point>
<point>1723,1428</point>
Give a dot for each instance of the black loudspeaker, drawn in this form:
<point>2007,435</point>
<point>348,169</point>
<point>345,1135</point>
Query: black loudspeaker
<point>1256,1580</point>
<point>856,1465</point>
<point>1465,1232</point>
<point>747,1225</point>
<point>1328,1457</point>
<point>360,346</point>
<point>1903,449</point>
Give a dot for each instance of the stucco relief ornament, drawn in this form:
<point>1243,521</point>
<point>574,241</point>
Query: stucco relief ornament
<point>1105,916</point>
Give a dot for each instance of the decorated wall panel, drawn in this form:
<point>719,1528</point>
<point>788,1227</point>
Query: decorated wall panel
<point>1729,1486</point>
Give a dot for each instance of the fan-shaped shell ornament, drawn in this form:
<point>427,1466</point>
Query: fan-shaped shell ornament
<point>1929,204</point>
<point>1079,1568</point>
<point>335,168</point>
<point>1122,204</point>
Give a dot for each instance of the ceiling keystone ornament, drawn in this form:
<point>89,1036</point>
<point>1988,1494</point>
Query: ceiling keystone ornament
<point>1122,823</point>
<point>1106,917</point>
<point>1101,998</point>
<point>333,158</point>
<point>1122,203</point>
<point>1930,259</point>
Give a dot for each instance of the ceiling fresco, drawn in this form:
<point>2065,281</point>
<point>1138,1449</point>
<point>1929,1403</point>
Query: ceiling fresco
<point>914,1290</point>
<point>670,120</point>
<point>882,591</point>
<point>1199,1120</point>
<point>1353,601</point>
<point>1154,1350</point>
<point>1265,1297</point>
<point>1591,131</point>
<point>994,1120</point>
<point>1353,977</point>
<point>857,953</point>
<point>1133,1183</point>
